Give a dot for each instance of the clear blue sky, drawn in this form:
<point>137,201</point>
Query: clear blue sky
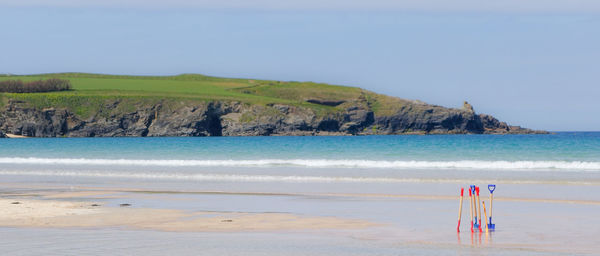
<point>535,64</point>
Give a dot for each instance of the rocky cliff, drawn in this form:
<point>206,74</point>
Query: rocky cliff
<point>231,118</point>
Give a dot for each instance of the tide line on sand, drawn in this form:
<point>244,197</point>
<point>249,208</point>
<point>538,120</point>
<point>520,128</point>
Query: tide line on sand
<point>100,192</point>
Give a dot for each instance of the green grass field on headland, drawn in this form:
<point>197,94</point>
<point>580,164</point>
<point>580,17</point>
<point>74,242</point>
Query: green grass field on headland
<point>90,91</point>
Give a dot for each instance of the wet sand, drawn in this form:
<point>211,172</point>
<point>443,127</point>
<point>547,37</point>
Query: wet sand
<point>19,212</point>
<point>381,223</point>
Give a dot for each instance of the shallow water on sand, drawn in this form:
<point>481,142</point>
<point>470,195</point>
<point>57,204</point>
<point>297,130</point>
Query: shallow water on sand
<point>127,242</point>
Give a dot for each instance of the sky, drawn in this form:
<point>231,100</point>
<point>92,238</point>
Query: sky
<point>531,63</point>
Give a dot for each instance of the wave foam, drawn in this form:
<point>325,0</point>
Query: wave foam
<point>462,164</point>
<point>269,178</point>
<point>207,177</point>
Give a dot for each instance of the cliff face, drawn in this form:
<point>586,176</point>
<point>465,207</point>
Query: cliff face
<point>221,118</point>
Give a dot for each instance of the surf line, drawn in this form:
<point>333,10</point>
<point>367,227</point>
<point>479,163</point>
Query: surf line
<point>200,177</point>
<point>325,163</point>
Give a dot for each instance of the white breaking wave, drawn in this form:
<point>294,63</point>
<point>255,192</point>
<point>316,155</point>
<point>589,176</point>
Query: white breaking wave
<point>208,177</point>
<point>322,163</point>
<point>269,178</point>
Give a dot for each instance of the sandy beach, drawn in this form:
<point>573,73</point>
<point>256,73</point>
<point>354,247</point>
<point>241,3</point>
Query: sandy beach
<point>14,136</point>
<point>410,221</point>
<point>20,212</point>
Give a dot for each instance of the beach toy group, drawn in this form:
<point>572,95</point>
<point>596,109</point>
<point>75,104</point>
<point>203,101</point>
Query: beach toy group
<point>475,209</point>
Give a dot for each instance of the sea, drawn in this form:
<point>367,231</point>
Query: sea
<point>554,158</point>
<point>548,189</point>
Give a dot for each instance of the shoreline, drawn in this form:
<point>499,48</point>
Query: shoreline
<point>298,134</point>
<point>109,192</point>
<point>14,136</point>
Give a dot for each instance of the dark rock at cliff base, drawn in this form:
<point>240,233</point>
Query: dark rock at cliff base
<point>222,118</point>
<point>2,135</point>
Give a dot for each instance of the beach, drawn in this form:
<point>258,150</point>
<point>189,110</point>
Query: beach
<point>387,222</point>
<point>94,203</point>
<point>64,214</point>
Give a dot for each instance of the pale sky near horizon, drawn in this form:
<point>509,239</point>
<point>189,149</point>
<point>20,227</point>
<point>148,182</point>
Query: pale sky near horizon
<point>531,63</point>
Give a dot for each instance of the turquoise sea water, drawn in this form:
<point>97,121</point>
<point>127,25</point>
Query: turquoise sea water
<point>562,157</point>
<point>567,147</point>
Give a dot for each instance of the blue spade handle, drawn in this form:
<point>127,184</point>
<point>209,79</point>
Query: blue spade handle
<point>491,188</point>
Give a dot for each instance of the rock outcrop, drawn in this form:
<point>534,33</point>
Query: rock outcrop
<point>222,118</point>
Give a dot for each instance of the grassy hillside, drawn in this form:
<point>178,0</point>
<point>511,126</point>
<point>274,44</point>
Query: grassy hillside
<point>90,91</point>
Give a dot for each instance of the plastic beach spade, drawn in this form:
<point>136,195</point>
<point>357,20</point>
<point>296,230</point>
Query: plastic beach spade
<point>471,208</point>
<point>474,205</point>
<point>462,190</point>
<point>491,188</point>
<point>478,210</point>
